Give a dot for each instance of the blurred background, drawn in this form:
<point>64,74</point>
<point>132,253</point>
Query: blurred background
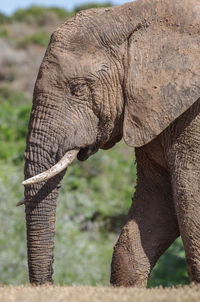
<point>95,195</point>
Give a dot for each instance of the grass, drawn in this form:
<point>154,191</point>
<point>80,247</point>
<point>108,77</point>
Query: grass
<point>98,294</point>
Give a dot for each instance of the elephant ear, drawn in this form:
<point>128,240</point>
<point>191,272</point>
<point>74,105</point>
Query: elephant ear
<point>163,80</point>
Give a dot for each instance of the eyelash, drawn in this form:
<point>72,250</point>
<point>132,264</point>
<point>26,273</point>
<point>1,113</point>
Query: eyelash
<point>78,90</point>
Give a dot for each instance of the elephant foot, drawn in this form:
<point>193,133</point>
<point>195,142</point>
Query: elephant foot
<point>126,272</point>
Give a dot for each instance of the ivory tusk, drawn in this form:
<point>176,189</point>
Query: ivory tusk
<point>65,161</point>
<point>21,202</point>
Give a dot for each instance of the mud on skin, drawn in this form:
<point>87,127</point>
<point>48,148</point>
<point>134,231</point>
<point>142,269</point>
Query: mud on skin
<point>130,71</point>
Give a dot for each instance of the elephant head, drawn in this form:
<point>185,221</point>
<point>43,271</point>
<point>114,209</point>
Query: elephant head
<point>107,73</point>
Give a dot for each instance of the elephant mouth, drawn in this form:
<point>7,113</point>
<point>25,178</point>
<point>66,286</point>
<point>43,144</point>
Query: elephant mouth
<point>82,155</point>
<point>86,152</point>
<point>111,142</point>
<point>63,163</point>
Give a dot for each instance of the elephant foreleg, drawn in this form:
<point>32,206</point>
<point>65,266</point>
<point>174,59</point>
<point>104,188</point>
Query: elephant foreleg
<point>150,229</point>
<point>184,162</point>
<point>187,200</point>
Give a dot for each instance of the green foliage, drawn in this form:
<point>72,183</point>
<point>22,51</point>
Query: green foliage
<point>23,14</point>
<point>39,14</point>
<point>92,197</point>
<point>14,114</point>
<point>13,268</point>
<point>171,268</point>
<point>4,19</point>
<point>3,32</point>
<point>61,12</point>
<point>40,38</point>
<point>92,5</point>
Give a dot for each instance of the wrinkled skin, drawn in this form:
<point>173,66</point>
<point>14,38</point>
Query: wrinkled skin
<point>130,71</point>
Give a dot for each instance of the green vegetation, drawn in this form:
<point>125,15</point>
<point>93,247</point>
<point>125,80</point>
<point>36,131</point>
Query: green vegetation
<point>3,32</point>
<point>39,14</point>
<point>39,38</point>
<point>61,12</point>
<point>94,199</point>
<point>14,113</point>
<point>4,19</point>
<point>171,267</point>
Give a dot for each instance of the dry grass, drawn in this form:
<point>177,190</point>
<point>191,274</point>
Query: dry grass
<point>98,294</point>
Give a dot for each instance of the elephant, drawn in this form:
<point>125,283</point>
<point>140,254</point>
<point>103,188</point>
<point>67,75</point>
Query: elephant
<point>131,72</point>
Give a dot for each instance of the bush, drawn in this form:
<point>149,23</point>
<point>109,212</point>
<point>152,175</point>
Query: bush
<point>14,115</point>
<point>22,15</point>
<point>40,38</point>
<point>61,12</point>
<point>13,263</point>
<point>4,32</point>
<point>4,19</point>
<point>39,14</point>
<point>171,267</point>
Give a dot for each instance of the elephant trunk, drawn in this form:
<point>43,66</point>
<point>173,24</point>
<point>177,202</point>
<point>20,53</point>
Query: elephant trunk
<point>40,207</point>
<point>42,152</point>
<point>40,222</point>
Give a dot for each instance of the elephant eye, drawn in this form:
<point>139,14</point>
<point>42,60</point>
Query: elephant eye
<point>79,90</point>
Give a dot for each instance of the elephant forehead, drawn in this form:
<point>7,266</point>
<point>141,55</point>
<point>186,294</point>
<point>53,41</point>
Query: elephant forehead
<point>71,65</point>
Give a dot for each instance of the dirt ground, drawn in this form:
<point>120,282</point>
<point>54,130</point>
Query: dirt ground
<point>97,294</point>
